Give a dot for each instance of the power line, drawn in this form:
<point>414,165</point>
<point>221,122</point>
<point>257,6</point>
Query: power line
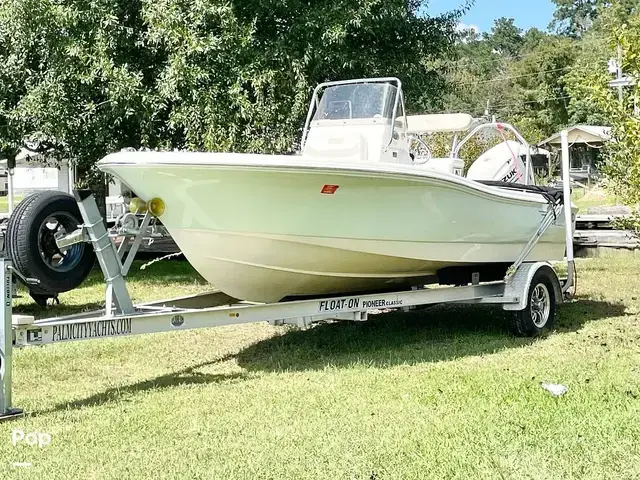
<point>505,105</point>
<point>515,104</point>
<point>467,61</point>
<point>522,55</point>
<point>511,77</point>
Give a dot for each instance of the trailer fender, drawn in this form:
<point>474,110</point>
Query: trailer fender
<point>518,285</point>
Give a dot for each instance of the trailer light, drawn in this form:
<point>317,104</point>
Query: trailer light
<point>137,205</point>
<point>156,206</point>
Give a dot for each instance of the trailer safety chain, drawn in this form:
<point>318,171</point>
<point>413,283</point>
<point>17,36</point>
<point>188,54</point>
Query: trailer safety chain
<point>155,260</point>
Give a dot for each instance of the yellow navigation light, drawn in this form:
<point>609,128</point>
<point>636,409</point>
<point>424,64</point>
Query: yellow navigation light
<point>156,206</point>
<point>137,205</point>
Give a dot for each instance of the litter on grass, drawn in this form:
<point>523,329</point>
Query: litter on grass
<point>555,389</point>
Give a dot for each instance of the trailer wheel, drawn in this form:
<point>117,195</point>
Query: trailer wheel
<point>540,312</point>
<point>32,248</point>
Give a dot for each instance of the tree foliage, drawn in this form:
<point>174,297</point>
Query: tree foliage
<point>87,77</point>
<point>623,153</point>
<point>594,99</point>
<point>540,81</point>
<point>505,38</point>
<point>517,76</point>
<point>75,78</point>
<point>574,17</point>
<point>82,78</point>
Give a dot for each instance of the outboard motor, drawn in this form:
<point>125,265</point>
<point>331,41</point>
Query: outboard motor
<point>502,163</point>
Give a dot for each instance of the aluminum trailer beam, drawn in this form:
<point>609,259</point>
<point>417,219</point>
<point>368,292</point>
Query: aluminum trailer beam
<point>153,319</point>
<point>164,316</point>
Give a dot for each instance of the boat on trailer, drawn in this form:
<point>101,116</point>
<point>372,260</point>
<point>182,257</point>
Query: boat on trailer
<point>530,290</point>
<point>358,209</point>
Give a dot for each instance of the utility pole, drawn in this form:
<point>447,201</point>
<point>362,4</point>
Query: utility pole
<point>615,66</point>
<point>619,73</point>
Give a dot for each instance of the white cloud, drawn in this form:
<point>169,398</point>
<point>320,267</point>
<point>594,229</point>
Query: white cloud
<point>463,26</point>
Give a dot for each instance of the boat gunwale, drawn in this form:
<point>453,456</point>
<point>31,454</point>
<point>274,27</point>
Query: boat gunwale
<point>381,170</point>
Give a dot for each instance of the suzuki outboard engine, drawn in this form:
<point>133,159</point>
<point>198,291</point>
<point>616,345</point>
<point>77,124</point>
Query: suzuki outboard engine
<point>502,163</point>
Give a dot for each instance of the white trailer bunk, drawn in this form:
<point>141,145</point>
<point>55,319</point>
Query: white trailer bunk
<point>521,292</point>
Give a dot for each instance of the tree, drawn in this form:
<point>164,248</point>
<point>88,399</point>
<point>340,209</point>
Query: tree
<point>88,77</point>
<point>574,17</point>
<point>589,69</point>
<point>518,76</point>
<point>505,38</point>
<point>75,77</point>
<point>539,97</point>
<point>477,75</point>
<point>255,75</point>
<point>622,154</point>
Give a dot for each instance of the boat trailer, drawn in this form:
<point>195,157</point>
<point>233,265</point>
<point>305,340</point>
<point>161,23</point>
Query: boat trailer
<point>517,293</point>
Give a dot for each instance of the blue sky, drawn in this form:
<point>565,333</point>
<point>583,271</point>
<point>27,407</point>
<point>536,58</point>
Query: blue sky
<point>527,13</point>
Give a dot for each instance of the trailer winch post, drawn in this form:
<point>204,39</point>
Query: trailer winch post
<point>6,344</point>
<point>108,258</point>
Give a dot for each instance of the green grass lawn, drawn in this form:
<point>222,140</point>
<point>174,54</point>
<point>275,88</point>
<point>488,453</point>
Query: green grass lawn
<point>596,197</point>
<point>442,393</point>
<point>4,202</point>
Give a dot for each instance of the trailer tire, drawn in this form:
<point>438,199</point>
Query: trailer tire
<point>540,313</point>
<point>31,246</point>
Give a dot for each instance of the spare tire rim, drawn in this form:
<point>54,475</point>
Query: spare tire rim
<point>59,260</point>
<point>540,305</point>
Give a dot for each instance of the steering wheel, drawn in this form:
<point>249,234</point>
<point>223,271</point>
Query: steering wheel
<point>422,146</point>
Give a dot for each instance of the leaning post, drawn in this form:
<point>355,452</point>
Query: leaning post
<point>566,190</point>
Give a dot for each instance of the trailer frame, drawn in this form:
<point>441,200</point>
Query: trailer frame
<point>121,317</point>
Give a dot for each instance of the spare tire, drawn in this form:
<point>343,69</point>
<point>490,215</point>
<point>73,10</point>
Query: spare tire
<point>31,245</point>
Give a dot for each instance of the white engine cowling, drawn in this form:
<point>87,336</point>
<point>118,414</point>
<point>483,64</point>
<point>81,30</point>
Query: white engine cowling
<point>500,163</point>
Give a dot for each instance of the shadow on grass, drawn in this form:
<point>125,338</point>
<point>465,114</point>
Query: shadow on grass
<point>186,376</point>
<point>160,273</point>
<point>50,311</point>
<point>439,333</point>
<point>435,334</point>
<point>572,316</point>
